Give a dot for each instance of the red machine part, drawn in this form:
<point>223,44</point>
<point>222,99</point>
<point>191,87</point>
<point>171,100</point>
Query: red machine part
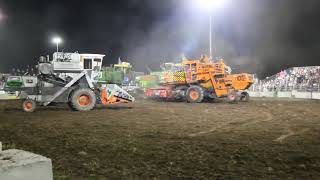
<point>110,100</point>
<point>160,92</point>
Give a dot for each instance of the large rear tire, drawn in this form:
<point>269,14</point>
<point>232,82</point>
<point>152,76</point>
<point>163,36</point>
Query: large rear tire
<point>194,94</point>
<point>83,99</point>
<point>29,105</point>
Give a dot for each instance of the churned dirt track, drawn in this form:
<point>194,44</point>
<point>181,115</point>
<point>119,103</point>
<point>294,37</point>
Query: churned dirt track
<point>262,139</point>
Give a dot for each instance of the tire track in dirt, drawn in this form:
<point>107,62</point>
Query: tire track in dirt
<point>229,125</point>
<point>281,138</point>
<point>269,117</point>
<point>221,126</point>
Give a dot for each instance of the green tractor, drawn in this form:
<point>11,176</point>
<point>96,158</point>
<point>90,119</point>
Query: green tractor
<point>148,81</point>
<point>121,74</point>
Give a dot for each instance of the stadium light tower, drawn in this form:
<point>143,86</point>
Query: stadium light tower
<point>57,41</point>
<point>210,6</point>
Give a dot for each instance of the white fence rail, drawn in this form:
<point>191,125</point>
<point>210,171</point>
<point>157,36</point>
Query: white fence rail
<point>300,92</point>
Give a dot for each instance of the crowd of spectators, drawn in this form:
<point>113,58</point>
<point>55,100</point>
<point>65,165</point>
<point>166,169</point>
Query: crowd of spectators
<point>299,78</point>
<point>29,70</point>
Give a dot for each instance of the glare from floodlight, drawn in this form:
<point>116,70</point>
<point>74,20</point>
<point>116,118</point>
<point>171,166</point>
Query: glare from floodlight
<point>210,4</point>
<point>57,40</point>
<point>2,16</point>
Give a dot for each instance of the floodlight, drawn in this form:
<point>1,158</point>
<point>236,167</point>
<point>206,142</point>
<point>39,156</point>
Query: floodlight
<point>56,40</point>
<point>210,5</point>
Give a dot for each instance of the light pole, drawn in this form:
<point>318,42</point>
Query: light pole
<point>57,41</point>
<point>210,36</point>
<point>209,6</point>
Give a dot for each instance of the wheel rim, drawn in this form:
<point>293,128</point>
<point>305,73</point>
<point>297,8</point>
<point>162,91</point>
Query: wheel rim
<point>27,105</point>
<point>232,97</point>
<point>84,100</point>
<point>194,95</point>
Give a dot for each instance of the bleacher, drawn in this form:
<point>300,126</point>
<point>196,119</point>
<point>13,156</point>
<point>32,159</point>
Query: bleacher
<point>296,78</point>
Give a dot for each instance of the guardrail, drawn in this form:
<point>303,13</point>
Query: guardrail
<point>286,91</point>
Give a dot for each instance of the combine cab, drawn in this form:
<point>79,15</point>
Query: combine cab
<point>69,78</point>
<point>196,80</point>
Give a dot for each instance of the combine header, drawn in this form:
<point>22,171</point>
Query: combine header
<point>69,78</point>
<point>195,80</point>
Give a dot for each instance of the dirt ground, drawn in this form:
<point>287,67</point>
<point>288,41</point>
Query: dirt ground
<point>262,139</point>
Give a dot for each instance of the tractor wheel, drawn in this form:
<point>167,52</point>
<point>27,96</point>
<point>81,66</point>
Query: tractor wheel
<point>245,97</point>
<point>83,99</point>
<point>29,105</point>
<point>70,106</point>
<point>233,97</point>
<point>195,94</point>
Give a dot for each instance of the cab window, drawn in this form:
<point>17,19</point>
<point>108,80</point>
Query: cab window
<point>87,63</point>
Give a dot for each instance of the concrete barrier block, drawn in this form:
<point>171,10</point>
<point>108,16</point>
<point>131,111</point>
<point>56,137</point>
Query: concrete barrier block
<point>284,94</point>
<point>254,94</point>
<point>315,95</point>
<point>267,94</point>
<point>21,165</point>
<point>302,95</point>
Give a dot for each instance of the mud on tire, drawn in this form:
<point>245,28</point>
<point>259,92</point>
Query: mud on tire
<point>83,99</point>
<point>194,94</point>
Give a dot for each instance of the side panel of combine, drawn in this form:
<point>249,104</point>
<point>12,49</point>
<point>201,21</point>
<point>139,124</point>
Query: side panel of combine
<point>241,81</point>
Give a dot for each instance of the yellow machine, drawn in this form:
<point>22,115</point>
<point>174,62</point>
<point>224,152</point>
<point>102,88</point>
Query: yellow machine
<point>123,66</point>
<point>172,73</point>
<point>199,79</point>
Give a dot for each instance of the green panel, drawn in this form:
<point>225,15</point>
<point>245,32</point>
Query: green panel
<point>111,76</point>
<point>14,83</point>
<point>148,84</point>
<point>117,77</point>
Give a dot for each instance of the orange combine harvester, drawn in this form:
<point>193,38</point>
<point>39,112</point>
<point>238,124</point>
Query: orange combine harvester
<point>196,80</point>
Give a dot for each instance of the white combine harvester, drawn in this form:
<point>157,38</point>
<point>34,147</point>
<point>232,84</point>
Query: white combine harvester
<point>69,78</point>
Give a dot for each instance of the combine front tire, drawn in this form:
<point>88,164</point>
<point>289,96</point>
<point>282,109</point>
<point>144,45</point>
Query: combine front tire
<point>244,97</point>
<point>83,100</point>
<point>29,105</point>
<point>195,94</point>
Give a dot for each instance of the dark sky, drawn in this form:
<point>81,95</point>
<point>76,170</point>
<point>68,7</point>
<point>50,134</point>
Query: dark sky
<point>256,36</point>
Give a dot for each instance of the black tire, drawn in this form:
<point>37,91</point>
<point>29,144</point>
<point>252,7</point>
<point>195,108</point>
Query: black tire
<point>83,99</point>
<point>29,105</point>
<point>194,94</point>
<point>233,97</point>
<point>245,97</point>
<point>70,106</point>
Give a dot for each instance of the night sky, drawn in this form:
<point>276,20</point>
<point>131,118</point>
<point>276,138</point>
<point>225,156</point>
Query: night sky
<point>256,36</point>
